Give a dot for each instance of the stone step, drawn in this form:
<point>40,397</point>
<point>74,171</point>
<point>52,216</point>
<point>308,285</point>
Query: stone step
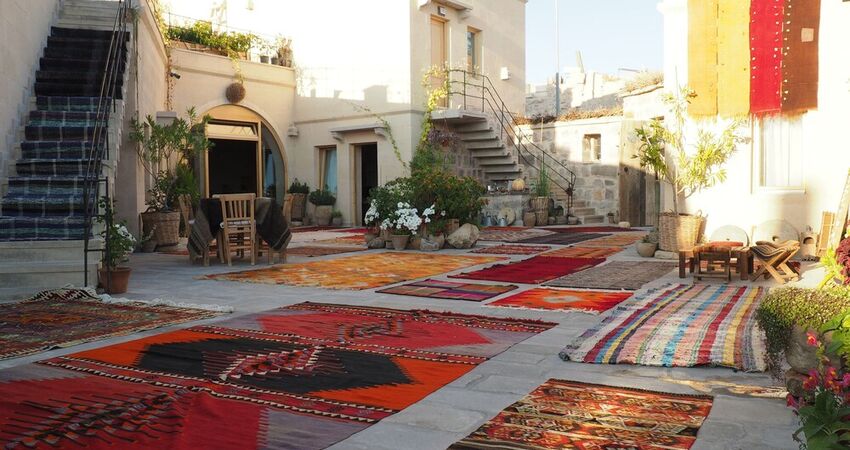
<point>474,127</point>
<point>591,219</point>
<point>488,163</point>
<point>485,145</point>
<point>21,280</point>
<point>584,211</point>
<point>492,153</point>
<point>83,33</point>
<point>478,136</point>
<point>39,251</point>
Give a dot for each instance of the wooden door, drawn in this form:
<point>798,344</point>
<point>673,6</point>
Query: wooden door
<point>637,188</point>
<point>439,57</point>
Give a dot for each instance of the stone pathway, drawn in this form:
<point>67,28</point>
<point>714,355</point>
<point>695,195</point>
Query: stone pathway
<point>736,421</point>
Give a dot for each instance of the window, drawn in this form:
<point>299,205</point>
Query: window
<point>592,148</point>
<point>327,164</point>
<point>473,50</point>
<point>781,153</point>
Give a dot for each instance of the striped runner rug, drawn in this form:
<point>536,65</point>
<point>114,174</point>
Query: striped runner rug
<point>679,326</point>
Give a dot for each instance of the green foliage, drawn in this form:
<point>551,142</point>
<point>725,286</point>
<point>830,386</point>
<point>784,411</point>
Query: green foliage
<point>783,308</point>
<point>119,242</point>
<point>336,213</point>
<point>838,329</point>
<point>202,33</point>
<point>832,269</point>
<point>689,168</point>
<point>823,422</point>
<point>543,187</point>
<point>298,188</point>
<point>167,153</point>
<point>322,197</point>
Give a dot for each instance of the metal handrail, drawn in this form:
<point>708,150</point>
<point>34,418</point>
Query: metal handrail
<point>99,144</point>
<point>489,97</point>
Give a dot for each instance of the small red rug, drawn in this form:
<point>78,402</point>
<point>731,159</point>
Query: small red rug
<point>589,229</point>
<point>533,270</point>
<point>571,415</point>
<point>314,228</point>
<point>593,302</point>
<point>360,230</point>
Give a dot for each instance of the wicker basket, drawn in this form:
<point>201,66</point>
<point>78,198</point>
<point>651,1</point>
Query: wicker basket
<point>679,232</point>
<point>167,231</point>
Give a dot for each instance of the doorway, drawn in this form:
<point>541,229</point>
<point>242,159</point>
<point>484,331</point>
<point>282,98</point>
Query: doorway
<point>368,177</point>
<point>232,167</point>
<point>438,53</point>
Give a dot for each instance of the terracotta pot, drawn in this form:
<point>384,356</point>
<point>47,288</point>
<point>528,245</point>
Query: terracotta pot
<point>529,219</point>
<point>646,249</point>
<point>167,227</point>
<point>400,241</point>
<point>118,279</point>
<point>323,215</point>
<point>452,226</point>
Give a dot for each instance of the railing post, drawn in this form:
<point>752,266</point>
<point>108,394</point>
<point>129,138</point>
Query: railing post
<point>464,90</point>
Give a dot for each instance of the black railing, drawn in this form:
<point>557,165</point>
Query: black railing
<point>477,92</point>
<point>99,146</point>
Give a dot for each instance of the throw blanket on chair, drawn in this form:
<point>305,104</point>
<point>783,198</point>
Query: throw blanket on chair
<point>271,225</point>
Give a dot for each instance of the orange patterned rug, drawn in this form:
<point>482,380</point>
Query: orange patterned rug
<point>358,272</point>
<point>356,239</point>
<point>584,252</point>
<point>615,240</point>
<point>593,302</point>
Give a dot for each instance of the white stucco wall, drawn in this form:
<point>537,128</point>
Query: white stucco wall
<point>740,201</point>
<point>24,27</point>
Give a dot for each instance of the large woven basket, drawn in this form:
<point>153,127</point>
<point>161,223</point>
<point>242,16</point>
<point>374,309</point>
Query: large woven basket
<point>679,232</point>
<point>167,227</point>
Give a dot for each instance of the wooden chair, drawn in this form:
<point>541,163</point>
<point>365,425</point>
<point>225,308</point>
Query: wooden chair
<point>774,257</point>
<point>238,227</point>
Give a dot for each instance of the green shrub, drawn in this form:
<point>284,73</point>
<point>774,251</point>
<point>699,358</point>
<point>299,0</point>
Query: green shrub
<point>298,188</point>
<point>808,308</point>
<point>322,197</point>
<point>202,33</point>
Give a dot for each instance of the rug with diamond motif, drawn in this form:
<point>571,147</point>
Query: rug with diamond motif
<point>593,302</point>
<point>562,414</point>
<point>450,290</point>
<point>536,269</point>
<point>357,272</point>
<point>301,377</point>
<point>66,317</point>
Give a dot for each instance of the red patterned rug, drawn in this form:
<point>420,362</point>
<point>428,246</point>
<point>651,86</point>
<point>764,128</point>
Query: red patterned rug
<point>510,249</point>
<point>450,290</point>
<point>593,302</point>
<point>571,415</point>
<point>305,377</point>
<point>592,229</point>
<point>66,317</point>
<point>534,270</point>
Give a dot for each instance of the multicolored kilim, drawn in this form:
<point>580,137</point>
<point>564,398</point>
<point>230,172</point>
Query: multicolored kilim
<point>682,326</point>
<point>450,290</point>
<point>301,377</point>
<point>66,317</point>
<point>584,252</point>
<point>593,302</point>
<point>615,240</point>
<point>581,416</point>
<point>44,199</point>
<point>310,251</point>
<point>354,240</point>
<point>358,272</point>
<point>593,229</point>
<point>536,269</point>
<point>513,249</point>
<point>626,275</point>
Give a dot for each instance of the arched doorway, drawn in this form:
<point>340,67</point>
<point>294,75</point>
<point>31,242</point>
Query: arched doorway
<point>246,155</point>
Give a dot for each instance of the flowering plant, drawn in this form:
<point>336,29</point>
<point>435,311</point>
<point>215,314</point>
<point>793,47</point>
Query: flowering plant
<point>824,407</point>
<point>118,239</point>
<point>404,220</point>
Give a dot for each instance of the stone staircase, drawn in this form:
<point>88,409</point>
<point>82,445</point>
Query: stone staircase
<point>498,162</point>
<point>42,225</point>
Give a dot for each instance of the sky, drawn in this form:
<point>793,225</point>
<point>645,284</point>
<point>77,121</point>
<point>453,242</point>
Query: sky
<point>610,34</point>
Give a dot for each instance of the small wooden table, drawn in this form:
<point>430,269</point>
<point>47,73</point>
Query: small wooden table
<point>743,256</point>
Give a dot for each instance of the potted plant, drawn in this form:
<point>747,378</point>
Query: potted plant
<point>402,224</point>
<point>283,55</point>
<point>687,167</point>
<point>298,192</point>
<point>646,247</point>
<point>118,243</point>
<point>324,199</point>
<point>542,191</point>
<point>336,218</point>
<point>147,244</point>
<point>166,152</point>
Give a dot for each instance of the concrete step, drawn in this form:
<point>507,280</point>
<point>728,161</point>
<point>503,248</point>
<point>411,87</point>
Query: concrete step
<point>492,153</point>
<point>488,163</point>
<point>591,219</point>
<point>584,211</point>
<point>475,136</point>
<point>40,251</point>
<point>485,145</point>
<point>474,127</point>
<point>22,279</point>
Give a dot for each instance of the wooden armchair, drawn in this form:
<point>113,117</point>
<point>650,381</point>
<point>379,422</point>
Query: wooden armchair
<point>238,227</point>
